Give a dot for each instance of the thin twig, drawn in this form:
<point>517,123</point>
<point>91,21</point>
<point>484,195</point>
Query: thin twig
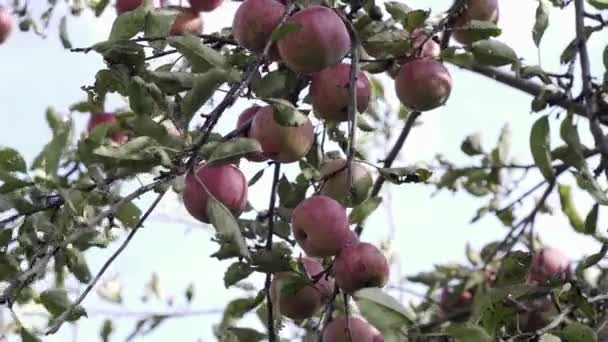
<point>271,207</point>
<point>62,318</point>
<point>392,155</point>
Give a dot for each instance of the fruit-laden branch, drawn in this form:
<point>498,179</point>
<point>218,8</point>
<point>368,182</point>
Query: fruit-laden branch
<point>392,155</point>
<point>532,88</point>
<point>62,318</point>
<point>587,92</point>
<point>352,97</point>
<point>231,96</point>
<point>271,206</point>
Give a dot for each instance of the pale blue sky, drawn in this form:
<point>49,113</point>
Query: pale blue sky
<point>36,73</point>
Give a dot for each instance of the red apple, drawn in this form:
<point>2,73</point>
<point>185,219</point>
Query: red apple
<point>225,183</point>
<point>320,226</point>
<point>285,144</point>
<point>306,301</point>
<point>335,183</point>
<point>245,118</point>
<point>187,21</point>
<point>423,84</point>
<point>484,10</point>
<point>360,331</point>
<point>329,92</point>
<point>254,22</point>
<point>548,264</point>
<point>6,24</point>
<point>123,6</point>
<point>205,5</point>
<point>360,265</point>
<point>320,41</point>
<point>119,137</point>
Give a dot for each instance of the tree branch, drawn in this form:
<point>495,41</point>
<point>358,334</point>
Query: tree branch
<point>392,155</point>
<point>61,319</point>
<point>271,206</point>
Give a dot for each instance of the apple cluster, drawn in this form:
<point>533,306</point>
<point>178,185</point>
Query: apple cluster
<point>548,266</point>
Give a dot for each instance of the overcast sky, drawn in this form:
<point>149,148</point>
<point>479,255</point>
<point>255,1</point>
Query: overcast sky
<point>36,73</point>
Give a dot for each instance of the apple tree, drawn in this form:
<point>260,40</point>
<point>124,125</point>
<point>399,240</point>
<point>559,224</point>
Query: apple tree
<point>313,75</point>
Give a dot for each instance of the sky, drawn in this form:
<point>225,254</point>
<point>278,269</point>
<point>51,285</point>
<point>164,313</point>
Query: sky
<point>36,73</point>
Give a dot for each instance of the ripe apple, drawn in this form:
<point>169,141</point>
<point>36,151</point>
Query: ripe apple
<point>329,92</point>
<point>423,84</point>
<point>204,5</point>
<point>320,226</point>
<point>225,183</point>
<point>119,137</point>
<point>6,24</point>
<point>549,264</point>
<point>123,6</point>
<point>320,41</point>
<point>285,144</point>
<point>254,22</point>
<point>484,10</point>
<point>360,265</point>
<point>246,117</point>
<point>187,21</point>
<point>306,301</point>
<point>360,331</point>
<point>335,183</point>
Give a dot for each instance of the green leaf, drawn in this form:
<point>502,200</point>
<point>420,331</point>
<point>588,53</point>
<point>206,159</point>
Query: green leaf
<point>49,158</point>
<point>204,85</point>
<point>273,84</point>
<point>514,269</point>
<point>9,266</point>
<point>233,150</point>
<point>256,178</point>
<point>361,212</point>
<point>382,310</point>
<point>226,225</point>
<point>11,160</point>
<point>276,260</point>
<point>237,308</point>
<point>246,334</point>
<point>476,30</point>
<point>468,333</point>
<point>142,96</point>
<point>493,52</point>
<point>567,202</point>
<point>199,55</point>
<point>540,145</point>
<point>158,24</point>
<point>285,29</point>
<point>172,82</point>
<point>542,22</point>
<point>577,332</point>
<point>397,10</point>
<point>599,4</point>
<point>128,24</point>
<point>605,57</point>
<point>55,301</point>
<point>461,59</point>
<point>106,330</point>
<point>593,259</point>
<point>63,33</point>
<point>400,175</point>
<point>124,52</point>
<point>98,6</point>
<point>77,264</point>
<point>415,19</point>
<point>111,80</point>
<point>27,336</point>
<point>285,114</point>
<point>591,220</point>
<point>531,71</point>
<point>128,214</point>
<point>236,272</point>
<point>586,181</point>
